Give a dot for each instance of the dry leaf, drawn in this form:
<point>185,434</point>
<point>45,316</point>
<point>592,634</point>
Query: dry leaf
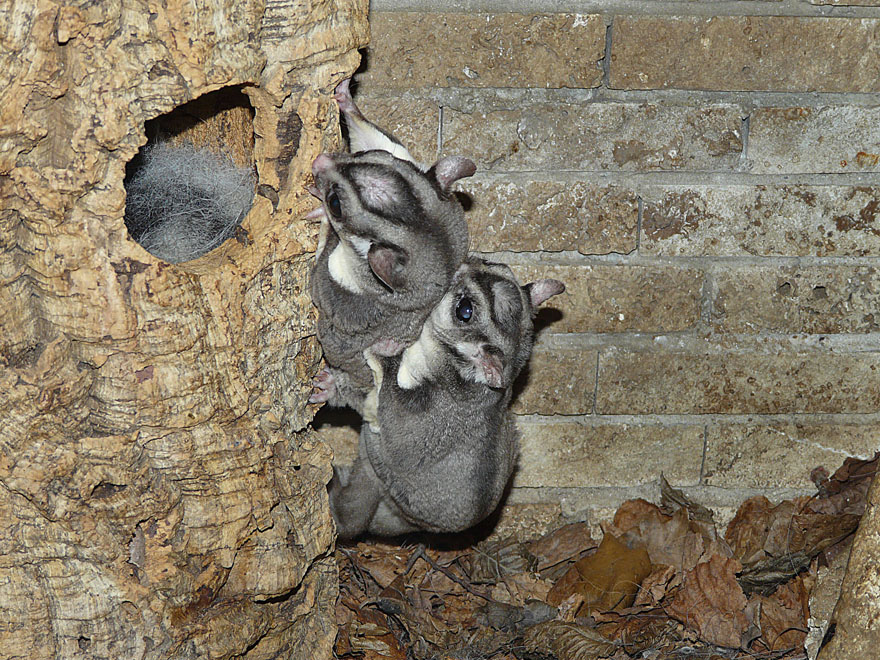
<point>632,513</point>
<point>675,539</point>
<point>568,641</point>
<point>511,617</point>
<point>526,586</point>
<point>674,499</point>
<point>607,579</point>
<point>564,544</point>
<point>711,602</point>
<point>639,631</point>
<point>656,586</point>
<point>846,491</point>
<point>784,615</point>
<point>775,543</point>
<point>494,560</point>
<point>370,634</point>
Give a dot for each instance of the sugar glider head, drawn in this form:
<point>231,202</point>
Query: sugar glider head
<point>485,321</point>
<point>402,231</point>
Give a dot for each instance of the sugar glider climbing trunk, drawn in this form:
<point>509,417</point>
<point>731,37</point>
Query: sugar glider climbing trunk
<point>159,496</point>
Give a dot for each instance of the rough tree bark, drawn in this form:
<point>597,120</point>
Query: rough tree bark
<point>856,618</point>
<point>159,496</point>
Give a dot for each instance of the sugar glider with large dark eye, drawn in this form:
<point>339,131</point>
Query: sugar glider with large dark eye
<point>392,239</point>
<point>438,444</point>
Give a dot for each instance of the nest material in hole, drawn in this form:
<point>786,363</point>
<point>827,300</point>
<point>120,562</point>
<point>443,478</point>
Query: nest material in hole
<point>183,202</point>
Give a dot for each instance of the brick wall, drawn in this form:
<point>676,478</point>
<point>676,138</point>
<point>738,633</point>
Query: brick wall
<point>707,183</point>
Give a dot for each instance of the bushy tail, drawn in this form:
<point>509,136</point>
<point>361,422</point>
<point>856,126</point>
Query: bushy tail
<point>183,202</point>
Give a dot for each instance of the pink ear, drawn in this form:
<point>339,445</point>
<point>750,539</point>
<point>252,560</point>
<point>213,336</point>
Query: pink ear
<point>452,168</point>
<point>541,290</point>
<point>386,264</point>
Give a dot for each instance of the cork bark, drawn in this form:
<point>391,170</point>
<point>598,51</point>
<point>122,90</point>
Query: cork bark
<point>854,631</point>
<point>160,493</point>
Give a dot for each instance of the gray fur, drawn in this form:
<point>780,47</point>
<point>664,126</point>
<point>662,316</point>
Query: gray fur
<point>396,236</point>
<point>182,202</point>
<point>440,446</point>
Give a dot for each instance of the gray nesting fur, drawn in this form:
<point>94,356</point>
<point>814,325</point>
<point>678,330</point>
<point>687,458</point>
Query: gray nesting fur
<point>183,202</point>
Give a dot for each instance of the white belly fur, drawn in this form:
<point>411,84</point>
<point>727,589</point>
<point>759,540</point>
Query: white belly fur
<point>342,265</point>
<point>418,361</point>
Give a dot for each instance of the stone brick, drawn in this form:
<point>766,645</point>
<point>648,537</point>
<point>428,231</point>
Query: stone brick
<point>668,382</point>
<point>781,455</point>
<point>846,3</point>
<point>559,381</point>
<point>421,49</point>
<point>750,53</point>
<point>595,136</point>
<point>782,220</point>
<point>524,522</point>
<point>551,215</point>
<point>825,139</point>
<point>413,120</point>
<point>621,297</point>
<point>572,455</point>
<point>792,299</point>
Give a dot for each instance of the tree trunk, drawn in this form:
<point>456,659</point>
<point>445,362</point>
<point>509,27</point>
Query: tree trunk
<point>855,631</point>
<point>159,496</point>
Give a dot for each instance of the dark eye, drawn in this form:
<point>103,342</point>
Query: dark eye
<point>464,310</point>
<point>333,204</point>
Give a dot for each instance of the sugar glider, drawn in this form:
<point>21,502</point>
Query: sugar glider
<point>438,444</point>
<point>394,236</point>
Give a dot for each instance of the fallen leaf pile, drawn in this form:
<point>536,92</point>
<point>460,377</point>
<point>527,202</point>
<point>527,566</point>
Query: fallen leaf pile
<point>661,583</point>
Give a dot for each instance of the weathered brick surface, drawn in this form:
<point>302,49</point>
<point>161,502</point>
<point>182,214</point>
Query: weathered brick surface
<point>414,49</point>
<point>525,522</point>
<point>781,455</point>
<point>412,119</point>
<point>722,233</point>
<point>597,136</point>
<point>791,299</point>
<point>660,382</point>
<point>526,216</point>
<point>603,297</point>
<point>568,454</point>
<point>845,3</point>
<point>824,139</point>
<point>773,53</point>
<point>761,220</point>
<point>558,382</point>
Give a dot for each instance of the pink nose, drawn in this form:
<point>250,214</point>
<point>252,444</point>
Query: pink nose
<point>321,164</point>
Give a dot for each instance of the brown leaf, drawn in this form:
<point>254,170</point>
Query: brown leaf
<point>567,641</point>
<point>674,499</point>
<point>564,544</point>
<point>784,615</point>
<point>711,603</point>
<point>656,586</point>
<point>371,635</point>
<point>511,617</point>
<point>640,631</point>
<point>675,539</point>
<point>761,529</point>
<point>491,561</point>
<point>607,579</point>
<point>633,512</point>
<point>526,586</point>
<point>775,543</point>
<point>846,491</point>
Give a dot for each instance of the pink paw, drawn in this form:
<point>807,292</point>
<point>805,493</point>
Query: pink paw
<point>342,96</point>
<point>325,386</point>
